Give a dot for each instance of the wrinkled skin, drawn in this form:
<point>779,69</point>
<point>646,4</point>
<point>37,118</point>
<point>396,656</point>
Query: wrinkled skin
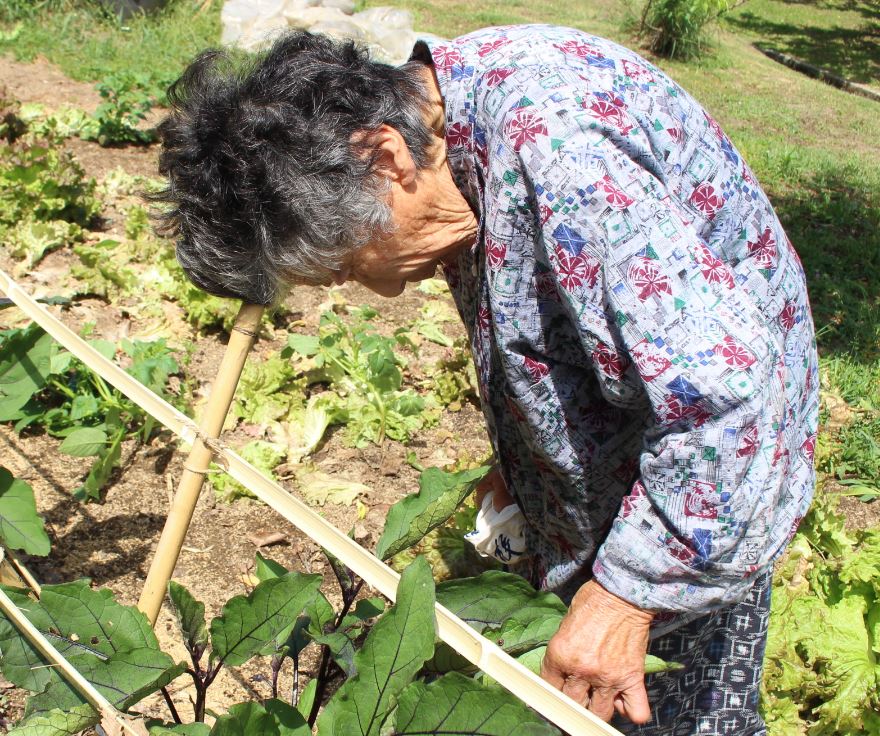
<point>597,656</point>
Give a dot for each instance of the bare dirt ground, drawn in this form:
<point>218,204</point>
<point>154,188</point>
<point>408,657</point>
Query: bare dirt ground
<point>112,543</point>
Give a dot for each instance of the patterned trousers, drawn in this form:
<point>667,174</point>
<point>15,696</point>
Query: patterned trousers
<point>717,691</point>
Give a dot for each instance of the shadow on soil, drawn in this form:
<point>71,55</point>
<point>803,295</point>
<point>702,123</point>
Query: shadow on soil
<point>851,53</point>
<point>834,222</point>
<point>102,550</point>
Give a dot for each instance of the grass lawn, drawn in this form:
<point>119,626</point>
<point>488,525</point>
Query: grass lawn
<point>89,45</point>
<point>842,36</point>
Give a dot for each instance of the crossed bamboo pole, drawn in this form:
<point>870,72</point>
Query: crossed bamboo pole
<point>241,340</point>
<point>567,714</point>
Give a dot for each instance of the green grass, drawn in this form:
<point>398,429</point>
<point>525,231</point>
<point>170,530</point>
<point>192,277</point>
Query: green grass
<point>450,18</point>
<point>88,44</point>
<point>842,36</point>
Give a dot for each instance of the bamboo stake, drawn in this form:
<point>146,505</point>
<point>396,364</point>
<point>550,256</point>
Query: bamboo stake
<point>111,719</point>
<point>241,339</point>
<point>16,569</point>
<point>494,661</point>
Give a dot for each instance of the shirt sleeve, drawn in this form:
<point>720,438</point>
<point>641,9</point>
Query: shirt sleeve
<point>663,319</point>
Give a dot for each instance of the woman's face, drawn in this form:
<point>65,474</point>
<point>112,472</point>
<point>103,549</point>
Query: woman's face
<point>431,224</point>
<point>431,220</point>
<point>386,266</point>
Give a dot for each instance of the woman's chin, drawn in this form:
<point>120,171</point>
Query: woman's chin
<point>388,289</point>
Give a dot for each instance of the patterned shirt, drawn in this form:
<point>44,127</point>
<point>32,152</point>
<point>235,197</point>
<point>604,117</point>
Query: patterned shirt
<point>638,320</point>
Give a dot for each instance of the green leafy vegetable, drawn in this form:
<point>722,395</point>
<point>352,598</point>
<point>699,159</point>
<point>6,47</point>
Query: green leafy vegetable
<point>262,455</point>
<point>84,441</point>
<point>25,364</point>
<point>111,644</point>
<point>455,704</point>
<point>190,618</point>
<point>821,668</point>
<point>248,623</point>
<point>365,378</point>
<point>272,718</point>
<point>20,525</point>
<point>58,722</point>
<point>42,385</point>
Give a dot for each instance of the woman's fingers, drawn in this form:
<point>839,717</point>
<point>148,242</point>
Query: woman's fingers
<point>635,703</point>
<point>493,482</point>
<point>602,702</point>
<point>578,690</point>
<point>552,674</point>
<point>597,656</point>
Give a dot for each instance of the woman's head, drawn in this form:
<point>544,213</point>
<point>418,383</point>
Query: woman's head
<point>271,175</point>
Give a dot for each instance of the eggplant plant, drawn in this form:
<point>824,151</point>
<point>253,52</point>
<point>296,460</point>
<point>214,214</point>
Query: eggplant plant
<point>387,673</point>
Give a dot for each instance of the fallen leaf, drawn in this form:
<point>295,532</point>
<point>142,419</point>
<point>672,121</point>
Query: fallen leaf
<point>267,540</point>
<point>319,488</point>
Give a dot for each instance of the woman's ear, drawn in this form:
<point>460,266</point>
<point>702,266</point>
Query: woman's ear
<point>393,158</point>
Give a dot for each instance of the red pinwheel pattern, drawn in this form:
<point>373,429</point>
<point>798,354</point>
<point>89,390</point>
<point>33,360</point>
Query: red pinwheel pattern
<point>490,46</point>
<point>734,353</point>
<point>649,279</point>
<point>615,196</point>
<point>706,200</point>
<point>763,250</point>
<point>714,269</point>
<point>458,134</point>
<point>525,127</point>
<point>576,271</point>
<point>495,252</point>
<point>610,362</point>
<point>494,77</point>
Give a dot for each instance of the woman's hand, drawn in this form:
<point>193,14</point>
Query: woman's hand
<point>493,481</point>
<point>598,655</point>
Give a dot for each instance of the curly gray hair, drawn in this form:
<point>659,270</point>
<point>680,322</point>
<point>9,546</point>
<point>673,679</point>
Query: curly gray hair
<point>269,181</point>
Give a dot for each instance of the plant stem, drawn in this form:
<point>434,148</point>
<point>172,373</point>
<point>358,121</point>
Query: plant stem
<point>323,672</point>
<point>199,708</point>
<point>276,669</point>
<point>66,390</point>
<point>294,696</point>
<point>170,704</point>
<point>326,661</point>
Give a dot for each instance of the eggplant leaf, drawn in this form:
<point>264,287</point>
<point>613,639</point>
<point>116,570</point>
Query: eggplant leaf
<point>247,624</point>
<point>190,618</point>
<point>439,495</point>
<point>112,645</point>
<point>272,718</point>
<point>456,704</point>
<point>392,654</point>
<point>20,525</point>
<point>58,722</point>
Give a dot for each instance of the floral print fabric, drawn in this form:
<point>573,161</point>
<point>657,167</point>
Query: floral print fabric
<point>638,319</point>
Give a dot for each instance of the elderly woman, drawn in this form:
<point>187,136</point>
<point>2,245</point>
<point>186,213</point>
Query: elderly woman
<point>637,316</point>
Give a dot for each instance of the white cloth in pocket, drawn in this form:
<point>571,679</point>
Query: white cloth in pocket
<point>499,534</point>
